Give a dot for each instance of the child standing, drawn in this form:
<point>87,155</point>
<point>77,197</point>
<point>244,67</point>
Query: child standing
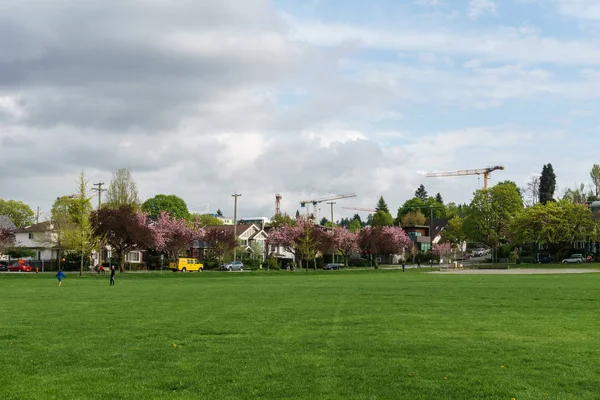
<point>60,276</point>
<point>112,275</point>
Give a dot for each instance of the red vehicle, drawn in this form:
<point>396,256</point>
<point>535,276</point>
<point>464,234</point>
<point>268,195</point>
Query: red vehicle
<point>18,267</point>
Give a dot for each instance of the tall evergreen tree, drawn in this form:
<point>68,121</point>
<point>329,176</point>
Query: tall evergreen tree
<point>297,214</point>
<point>382,205</point>
<point>439,199</point>
<point>356,216</point>
<point>421,193</point>
<point>547,184</point>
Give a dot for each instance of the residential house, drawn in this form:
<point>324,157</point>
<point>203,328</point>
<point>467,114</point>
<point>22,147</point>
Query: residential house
<point>426,235</point>
<point>40,238</point>
<point>249,235</point>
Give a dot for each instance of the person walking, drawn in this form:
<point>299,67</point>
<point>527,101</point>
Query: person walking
<point>403,266</point>
<point>60,277</point>
<point>113,271</point>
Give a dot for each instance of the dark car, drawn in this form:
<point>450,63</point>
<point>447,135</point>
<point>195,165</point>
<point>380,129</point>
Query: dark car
<point>545,260</point>
<point>3,266</point>
<point>330,267</point>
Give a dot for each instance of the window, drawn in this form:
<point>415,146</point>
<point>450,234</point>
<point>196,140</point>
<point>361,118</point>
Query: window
<point>580,245</point>
<point>31,236</point>
<point>133,257</point>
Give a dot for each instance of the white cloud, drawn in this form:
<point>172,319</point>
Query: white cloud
<point>583,9</point>
<point>479,7</point>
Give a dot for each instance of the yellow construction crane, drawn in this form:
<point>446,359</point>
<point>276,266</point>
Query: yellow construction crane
<point>482,171</point>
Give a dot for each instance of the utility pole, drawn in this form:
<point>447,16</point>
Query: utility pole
<point>99,190</point>
<point>235,196</point>
<point>37,216</point>
<point>331,203</point>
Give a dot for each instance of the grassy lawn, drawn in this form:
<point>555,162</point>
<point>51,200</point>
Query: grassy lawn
<point>317,335</point>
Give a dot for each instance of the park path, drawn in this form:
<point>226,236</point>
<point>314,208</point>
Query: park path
<point>518,271</point>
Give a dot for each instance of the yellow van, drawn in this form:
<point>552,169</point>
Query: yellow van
<point>186,264</point>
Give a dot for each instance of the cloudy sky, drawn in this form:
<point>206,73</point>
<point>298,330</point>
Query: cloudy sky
<point>202,98</point>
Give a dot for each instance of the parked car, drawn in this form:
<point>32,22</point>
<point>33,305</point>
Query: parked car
<point>574,259</point>
<point>331,266</point>
<point>479,252</point>
<point>18,267</point>
<point>3,266</point>
<point>233,266</point>
<point>186,264</point>
<point>545,259</point>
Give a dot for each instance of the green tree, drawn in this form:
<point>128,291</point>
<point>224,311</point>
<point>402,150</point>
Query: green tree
<point>382,205</point>
<point>122,190</point>
<point>205,220</point>
<point>578,195</point>
<point>355,225</point>
<point>556,225</point>
<point>439,199</point>
<point>490,214</point>
<point>547,184</point>
<point>77,236</point>
<point>421,193</point>
<point>382,218</point>
<point>173,205</point>
<point>414,218</point>
<point>595,175</point>
<point>425,206</point>
<point>19,213</point>
<point>323,221</point>
<point>280,220</point>
<point>454,231</point>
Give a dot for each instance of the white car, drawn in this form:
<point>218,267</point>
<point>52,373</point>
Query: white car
<point>574,259</point>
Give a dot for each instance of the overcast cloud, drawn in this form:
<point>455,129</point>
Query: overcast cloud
<point>202,98</point>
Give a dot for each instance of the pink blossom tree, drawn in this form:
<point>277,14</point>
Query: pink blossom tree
<point>374,241</point>
<point>440,249</point>
<point>220,241</point>
<point>173,236</point>
<point>346,242</point>
<point>304,240</point>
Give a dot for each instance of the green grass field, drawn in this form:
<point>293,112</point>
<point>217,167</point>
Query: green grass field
<point>316,335</point>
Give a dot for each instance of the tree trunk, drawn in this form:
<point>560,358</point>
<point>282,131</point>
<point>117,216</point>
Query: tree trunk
<point>121,256</point>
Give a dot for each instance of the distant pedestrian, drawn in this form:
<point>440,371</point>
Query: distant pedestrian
<point>113,271</point>
<point>403,266</point>
<point>60,277</point>
<point>418,263</point>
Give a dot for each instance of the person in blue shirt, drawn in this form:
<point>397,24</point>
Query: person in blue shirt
<point>60,276</point>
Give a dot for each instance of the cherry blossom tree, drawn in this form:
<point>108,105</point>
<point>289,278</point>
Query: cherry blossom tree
<point>374,241</point>
<point>173,236</point>
<point>440,249</point>
<point>304,240</point>
<point>346,242</point>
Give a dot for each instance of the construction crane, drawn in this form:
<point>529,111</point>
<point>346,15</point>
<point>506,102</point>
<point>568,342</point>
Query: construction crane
<point>278,198</point>
<point>315,202</point>
<point>482,171</point>
<point>369,210</point>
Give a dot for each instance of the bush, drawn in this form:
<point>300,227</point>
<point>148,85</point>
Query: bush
<point>358,262</point>
<point>252,264</point>
<point>271,263</point>
<point>210,264</point>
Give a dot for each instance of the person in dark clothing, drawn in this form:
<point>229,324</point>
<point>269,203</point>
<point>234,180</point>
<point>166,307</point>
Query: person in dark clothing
<point>403,266</point>
<point>113,271</point>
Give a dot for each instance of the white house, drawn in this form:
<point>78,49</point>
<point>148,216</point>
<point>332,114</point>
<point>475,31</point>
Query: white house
<point>40,238</point>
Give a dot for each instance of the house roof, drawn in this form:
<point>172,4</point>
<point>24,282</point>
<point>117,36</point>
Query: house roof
<point>239,230</point>
<point>41,227</point>
<point>438,225</point>
<point>6,223</point>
